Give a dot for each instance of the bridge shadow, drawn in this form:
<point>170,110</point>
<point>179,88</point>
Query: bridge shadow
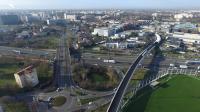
<point>139,102</point>
<point>154,65</point>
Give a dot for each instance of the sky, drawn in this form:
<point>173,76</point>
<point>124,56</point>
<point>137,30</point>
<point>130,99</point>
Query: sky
<point>99,4</point>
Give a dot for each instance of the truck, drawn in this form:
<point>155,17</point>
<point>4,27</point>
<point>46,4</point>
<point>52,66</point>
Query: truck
<point>109,61</point>
<point>171,65</point>
<point>17,51</point>
<point>198,67</point>
<point>183,66</point>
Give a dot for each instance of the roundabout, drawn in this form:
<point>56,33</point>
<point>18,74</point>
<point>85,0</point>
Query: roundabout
<point>58,101</point>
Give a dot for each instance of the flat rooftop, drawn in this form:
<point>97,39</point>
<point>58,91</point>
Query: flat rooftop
<point>25,70</point>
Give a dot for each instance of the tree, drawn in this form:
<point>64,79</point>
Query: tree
<point>182,46</point>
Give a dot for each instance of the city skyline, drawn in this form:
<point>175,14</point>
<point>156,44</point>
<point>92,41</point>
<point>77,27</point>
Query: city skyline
<point>99,4</point>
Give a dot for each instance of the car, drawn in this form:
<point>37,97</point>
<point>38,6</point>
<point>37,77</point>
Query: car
<point>171,65</point>
<point>90,103</point>
<point>58,89</point>
<point>72,94</point>
<point>96,64</point>
<point>40,100</point>
<point>50,99</point>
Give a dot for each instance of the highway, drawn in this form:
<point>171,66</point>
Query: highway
<point>124,61</point>
<point>27,51</point>
<point>115,103</point>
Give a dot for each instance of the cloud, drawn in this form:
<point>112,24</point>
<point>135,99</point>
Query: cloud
<point>11,5</point>
<point>70,4</point>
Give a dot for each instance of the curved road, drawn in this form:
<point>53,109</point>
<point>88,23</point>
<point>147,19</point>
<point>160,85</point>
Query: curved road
<point>115,103</point>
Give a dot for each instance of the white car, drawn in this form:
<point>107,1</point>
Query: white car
<point>49,99</point>
<point>90,103</point>
<point>58,89</point>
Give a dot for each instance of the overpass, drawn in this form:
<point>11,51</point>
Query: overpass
<point>115,103</point>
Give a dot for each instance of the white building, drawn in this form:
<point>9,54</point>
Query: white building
<point>48,22</point>
<point>104,31</point>
<point>70,17</point>
<point>149,28</point>
<point>180,16</point>
<point>187,37</point>
<point>27,77</point>
<point>65,16</point>
<point>132,39</point>
<point>121,45</point>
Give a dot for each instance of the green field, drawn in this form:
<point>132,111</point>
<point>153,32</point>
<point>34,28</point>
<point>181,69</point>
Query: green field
<point>13,106</point>
<point>7,74</point>
<point>179,94</point>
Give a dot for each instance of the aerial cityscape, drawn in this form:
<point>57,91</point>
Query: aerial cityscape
<point>99,56</point>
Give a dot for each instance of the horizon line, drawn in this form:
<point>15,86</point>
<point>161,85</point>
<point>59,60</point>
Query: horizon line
<point>101,9</point>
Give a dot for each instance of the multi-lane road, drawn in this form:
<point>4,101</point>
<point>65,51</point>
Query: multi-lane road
<point>62,66</point>
<point>26,51</point>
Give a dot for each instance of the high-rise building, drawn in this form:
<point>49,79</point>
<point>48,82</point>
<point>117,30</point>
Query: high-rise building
<point>9,20</point>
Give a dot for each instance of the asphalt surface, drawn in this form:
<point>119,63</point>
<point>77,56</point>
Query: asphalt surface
<point>27,51</point>
<point>63,74</point>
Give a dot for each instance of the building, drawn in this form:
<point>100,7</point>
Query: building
<point>59,22</point>
<point>185,27</point>
<point>104,31</point>
<point>180,16</point>
<point>187,38</point>
<point>48,22</point>
<point>27,77</point>
<point>9,20</point>
<point>71,17</point>
<point>121,45</point>
<point>23,35</point>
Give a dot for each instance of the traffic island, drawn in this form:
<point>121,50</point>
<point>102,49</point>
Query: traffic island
<point>58,101</point>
